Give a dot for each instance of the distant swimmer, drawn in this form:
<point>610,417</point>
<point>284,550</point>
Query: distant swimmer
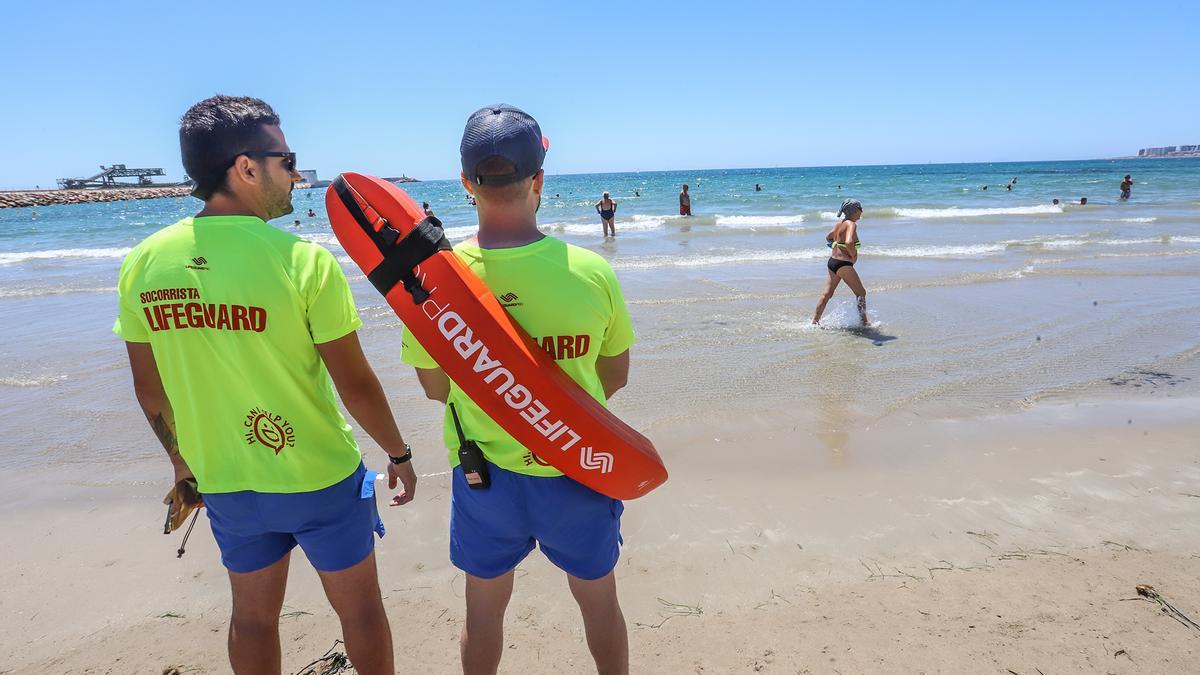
<point>1055,202</point>
<point>983,188</point>
<point>685,202</point>
<point>757,187</point>
<point>1083,201</point>
<point>607,208</point>
<point>428,211</point>
<point>296,224</point>
<point>637,193</point>
<point>843,239</point>
<point>839,187</point>
<point>312,214</point>
<point>1126,186</point>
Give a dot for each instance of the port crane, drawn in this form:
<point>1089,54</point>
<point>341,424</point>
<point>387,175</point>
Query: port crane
<point>107,178</point>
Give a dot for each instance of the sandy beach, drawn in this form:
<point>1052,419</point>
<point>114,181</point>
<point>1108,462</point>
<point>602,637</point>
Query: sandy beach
<point>914,293</point>
<point>978,483</point>
<point>1001,543</point>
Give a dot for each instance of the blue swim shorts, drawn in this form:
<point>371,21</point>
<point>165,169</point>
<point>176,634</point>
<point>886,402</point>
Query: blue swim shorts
<point>492,530</point>
<point>335,527</point>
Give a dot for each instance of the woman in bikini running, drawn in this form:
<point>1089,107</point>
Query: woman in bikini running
<point>843,239</point>
<point>607,209</point>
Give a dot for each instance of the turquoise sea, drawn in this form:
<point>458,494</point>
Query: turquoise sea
<point>913,213</point>
<point>979,299</point>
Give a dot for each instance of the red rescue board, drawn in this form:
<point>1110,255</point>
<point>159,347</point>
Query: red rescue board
<point>455,317</point>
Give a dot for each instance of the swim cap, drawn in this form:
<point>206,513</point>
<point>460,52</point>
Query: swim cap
<point>849,206</point>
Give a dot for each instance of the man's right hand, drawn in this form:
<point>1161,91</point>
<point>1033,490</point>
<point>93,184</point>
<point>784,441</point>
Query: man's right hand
<point>404,474</point>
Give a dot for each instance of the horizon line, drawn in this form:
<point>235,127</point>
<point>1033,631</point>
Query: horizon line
<point>756,168</point>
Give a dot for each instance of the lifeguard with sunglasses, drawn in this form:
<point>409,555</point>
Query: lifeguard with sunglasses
<point>234,330</point>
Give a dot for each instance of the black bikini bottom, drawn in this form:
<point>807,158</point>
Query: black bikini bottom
<point>834,264</point>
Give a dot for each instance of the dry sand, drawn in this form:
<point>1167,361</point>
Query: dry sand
<point>922,544</point>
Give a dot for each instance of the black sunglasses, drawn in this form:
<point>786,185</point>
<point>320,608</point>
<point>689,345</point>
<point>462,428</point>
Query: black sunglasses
<point>289,158</point>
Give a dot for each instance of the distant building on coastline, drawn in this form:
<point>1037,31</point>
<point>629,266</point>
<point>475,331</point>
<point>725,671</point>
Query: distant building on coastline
<point>308,179</point>
<point>1170,151</point>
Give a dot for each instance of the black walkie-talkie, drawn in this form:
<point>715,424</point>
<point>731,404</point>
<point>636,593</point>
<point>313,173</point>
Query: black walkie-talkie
<point>470,458</point>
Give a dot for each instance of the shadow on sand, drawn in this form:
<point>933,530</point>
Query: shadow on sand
<point>870,333</point>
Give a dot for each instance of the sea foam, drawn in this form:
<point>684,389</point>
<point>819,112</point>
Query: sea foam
<point>957,212</point>
<point>759,221</point>
<point>12,257</point>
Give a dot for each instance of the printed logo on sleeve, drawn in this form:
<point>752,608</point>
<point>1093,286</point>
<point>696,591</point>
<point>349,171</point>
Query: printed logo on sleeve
<point>198,263</point>
<point>268,429</point>
<point>509,299</point>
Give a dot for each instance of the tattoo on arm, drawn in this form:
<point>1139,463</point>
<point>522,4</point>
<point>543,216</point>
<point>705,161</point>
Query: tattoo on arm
<point>165,435</point>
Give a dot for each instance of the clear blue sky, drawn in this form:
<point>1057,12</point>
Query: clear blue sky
<point>616,86</point>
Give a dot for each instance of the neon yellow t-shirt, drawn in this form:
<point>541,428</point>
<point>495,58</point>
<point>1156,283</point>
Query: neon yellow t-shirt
<point>233,309</point>
<point>568,299</point>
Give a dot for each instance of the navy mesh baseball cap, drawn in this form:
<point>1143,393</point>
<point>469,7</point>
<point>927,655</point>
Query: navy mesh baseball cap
<point>507,132</point>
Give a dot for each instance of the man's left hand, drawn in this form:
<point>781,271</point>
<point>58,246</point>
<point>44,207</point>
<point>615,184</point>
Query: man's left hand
<point>405,475</point>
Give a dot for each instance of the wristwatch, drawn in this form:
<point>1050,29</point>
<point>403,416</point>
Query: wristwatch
<point>402,458</point>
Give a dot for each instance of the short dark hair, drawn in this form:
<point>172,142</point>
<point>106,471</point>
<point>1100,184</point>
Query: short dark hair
<point>215,131</point>
<point>495,166</point>
<point>498,166</point>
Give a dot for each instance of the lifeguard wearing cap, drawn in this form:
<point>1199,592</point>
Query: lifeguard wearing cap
<point>506,132</point>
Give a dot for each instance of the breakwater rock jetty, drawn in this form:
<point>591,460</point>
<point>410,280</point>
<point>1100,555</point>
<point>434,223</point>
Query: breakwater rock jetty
<point>9,200</point>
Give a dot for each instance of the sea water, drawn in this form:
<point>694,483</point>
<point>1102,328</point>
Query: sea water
<point>980,299</point>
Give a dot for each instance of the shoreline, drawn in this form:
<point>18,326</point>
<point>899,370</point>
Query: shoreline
<point>917,542</point>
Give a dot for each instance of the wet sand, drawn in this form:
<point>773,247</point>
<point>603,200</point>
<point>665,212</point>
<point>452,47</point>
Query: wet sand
<point>986,543</point>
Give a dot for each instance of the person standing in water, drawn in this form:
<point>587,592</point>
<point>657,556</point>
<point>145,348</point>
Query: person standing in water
<point>1126,187</point>
<point>843,239</point>
<point>607,209</point>
<point>685,202</point>
<point>428,211</point>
